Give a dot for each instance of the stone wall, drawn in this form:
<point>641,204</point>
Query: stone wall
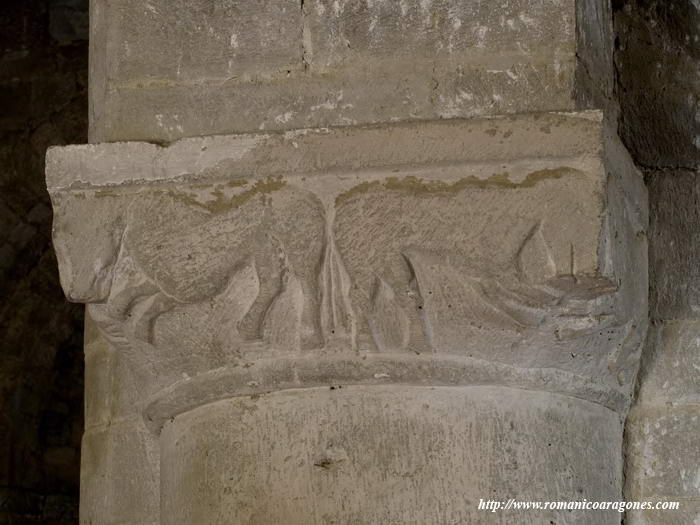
<point>43,101</point>
<point>225,68</point>
<point>658,47</point>
<point>657,63</point>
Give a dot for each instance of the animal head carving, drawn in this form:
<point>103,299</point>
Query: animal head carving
<point>87,236</point>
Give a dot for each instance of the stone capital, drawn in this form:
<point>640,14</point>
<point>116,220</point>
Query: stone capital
<point>500,251</point>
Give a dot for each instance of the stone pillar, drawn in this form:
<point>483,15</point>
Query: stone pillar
<point>378,323</point>
<point>361,325</point>
<point>659,77</point>
<point>664,424</point>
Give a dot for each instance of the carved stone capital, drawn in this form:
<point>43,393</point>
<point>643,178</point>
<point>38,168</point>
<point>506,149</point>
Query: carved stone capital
<point>502,251</point>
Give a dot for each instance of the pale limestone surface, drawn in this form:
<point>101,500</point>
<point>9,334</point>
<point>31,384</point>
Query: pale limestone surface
<point>501,255</point>
<point>663,448</point>
<point>120,459</point>
<point>662,462</point>
<point>164,69</point>
<point>393,455</point>
<point>404,261</point>
<point>670,370</point>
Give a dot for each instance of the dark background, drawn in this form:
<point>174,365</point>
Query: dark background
<point>43,102</point>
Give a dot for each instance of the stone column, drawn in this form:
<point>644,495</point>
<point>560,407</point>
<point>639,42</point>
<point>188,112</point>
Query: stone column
<point>379,322</point>
<point>664,424</point>
<point>361,325</point>
<point>659,75</point>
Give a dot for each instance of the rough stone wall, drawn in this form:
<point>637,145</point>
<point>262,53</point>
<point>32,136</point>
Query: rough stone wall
<point>656,60</point>
<point>663,427</point>
<point>225,68</point>
<point>43,102</point>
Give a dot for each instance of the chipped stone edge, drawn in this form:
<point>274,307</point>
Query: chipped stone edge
<point>308,151</point>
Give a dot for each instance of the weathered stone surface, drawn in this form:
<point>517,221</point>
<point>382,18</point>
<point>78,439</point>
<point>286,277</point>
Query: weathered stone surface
<point>662,431</point>
<point>688,513</point>
<point>120,458</point>
<point>670,371</point>
<point>595,79</point>
<point>674,235</point>
<point>187,42</point>
<point>390,455</point>
<point>492,259</point>
<point>361,148</point>
<point>659,86</point>
<point>119,478</point>
<point>112,394</point>
<point>663,454</point>
<point>663,427</point>
<point>165,70</point>
<point>320,256</point>
<point>340,31</point>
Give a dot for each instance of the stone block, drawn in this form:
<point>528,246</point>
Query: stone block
<point>340,30</point>
<point>674,233</point>
<point>663,456</point>
<point>189,42</point>
<point>119,480</point>
<point>163,70</point>
<point>595,81</point>
<point>669,371</point>
<point>689,512</point>
<point>657,67</point>
<point>330,324</point>
<point>390,455</point>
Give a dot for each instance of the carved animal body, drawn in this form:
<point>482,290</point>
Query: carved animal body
<point>387,269</point>
<point>474,269</point>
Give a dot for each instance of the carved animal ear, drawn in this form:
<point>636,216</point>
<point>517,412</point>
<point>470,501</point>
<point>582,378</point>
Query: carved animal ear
<point>231,306</point>
<point>388,322</point>
<point>534,259</point>
<point>282,324</point>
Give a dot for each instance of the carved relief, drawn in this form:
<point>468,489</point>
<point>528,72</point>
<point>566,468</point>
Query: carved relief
<point>280,262</point>
<point>337,317</point>
<point>293,260</point>
<point>534,260</point>
<point>400,265</point>
<point>283,321</point>
<point>478,268</point>
<point>194,282</point>
<point>388,322</point>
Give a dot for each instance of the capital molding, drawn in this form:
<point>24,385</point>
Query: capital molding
<point>489,251</point>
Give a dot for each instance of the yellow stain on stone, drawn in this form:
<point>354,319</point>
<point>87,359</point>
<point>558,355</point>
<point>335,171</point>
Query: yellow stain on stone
<point>419,186</point>
<point>223,203</point>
